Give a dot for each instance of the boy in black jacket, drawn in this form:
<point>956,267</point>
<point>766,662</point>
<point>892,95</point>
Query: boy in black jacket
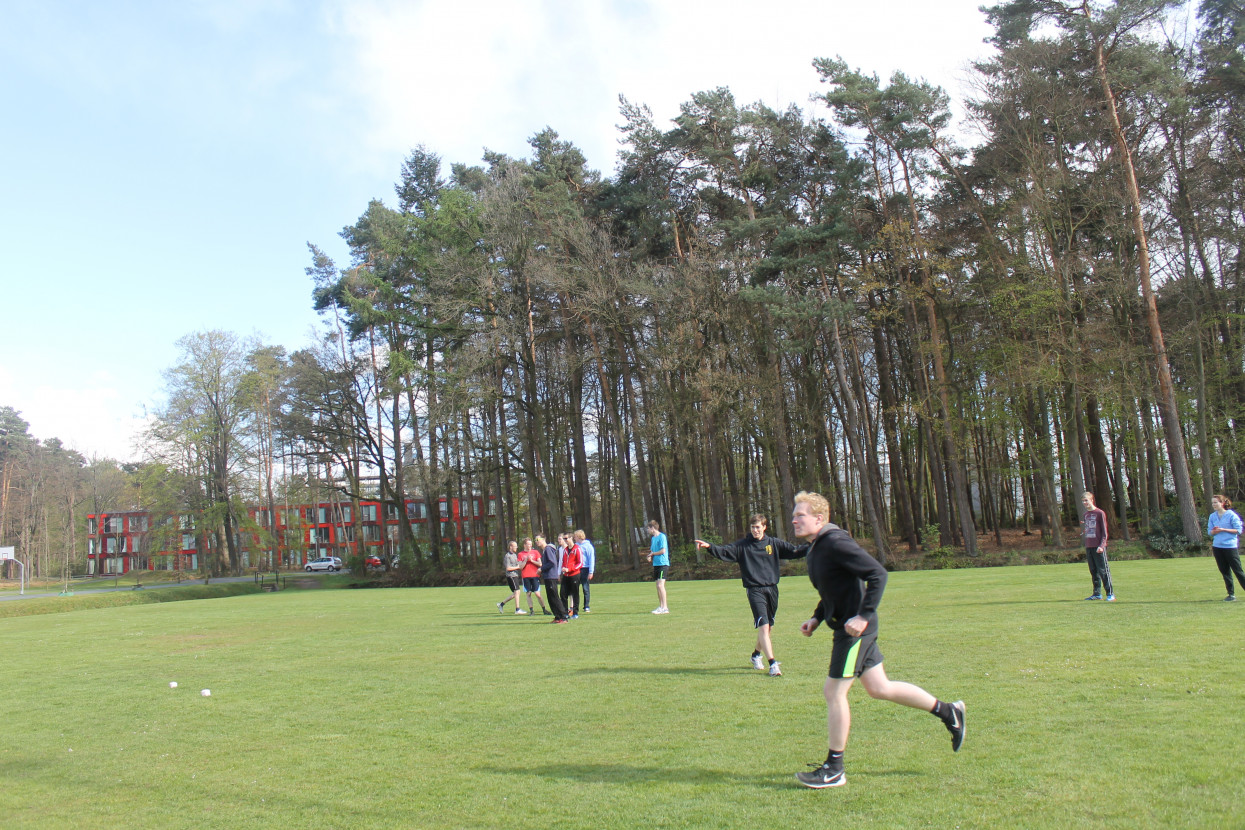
<point>758,555</point>
<point>850,583</point>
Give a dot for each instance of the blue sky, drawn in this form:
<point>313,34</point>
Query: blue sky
<point>166,164</point>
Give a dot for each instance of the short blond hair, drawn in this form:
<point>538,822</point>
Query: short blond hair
<point>580,536</point>
<point>817,504</point>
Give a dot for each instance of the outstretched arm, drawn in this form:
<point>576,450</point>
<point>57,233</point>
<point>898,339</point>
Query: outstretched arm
<point>727,553</point>
<point>786,550</point>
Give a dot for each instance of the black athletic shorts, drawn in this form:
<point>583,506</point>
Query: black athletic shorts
<point>531,584</point>
<point>659,572</point>
<point>853,656</point>
<point>763,600</point>
<point>514,581</point>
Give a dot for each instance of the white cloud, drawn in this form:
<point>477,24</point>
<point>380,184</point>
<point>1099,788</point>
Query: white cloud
<point>458,77</point>
<point>96,417</point>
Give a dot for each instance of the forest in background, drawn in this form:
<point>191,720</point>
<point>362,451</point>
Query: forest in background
<point>948,341</point>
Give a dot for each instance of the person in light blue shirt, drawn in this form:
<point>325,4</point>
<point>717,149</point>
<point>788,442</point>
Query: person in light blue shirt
<point>659,555</point>
<point>588,565</point>
<point>1224,528</point>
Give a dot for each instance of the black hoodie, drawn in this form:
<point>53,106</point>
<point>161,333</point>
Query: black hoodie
<point>849,580</point>
<point>758,558</point>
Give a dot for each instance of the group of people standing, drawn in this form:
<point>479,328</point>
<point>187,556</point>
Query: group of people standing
<point>563,569</point>
<point>1224,527</point>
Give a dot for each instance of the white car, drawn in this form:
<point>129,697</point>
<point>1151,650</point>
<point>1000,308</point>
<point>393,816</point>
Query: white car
<point>324,563</point>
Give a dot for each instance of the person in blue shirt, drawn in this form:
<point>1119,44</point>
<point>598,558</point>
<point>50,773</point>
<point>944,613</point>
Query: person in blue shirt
<point>588,555</point>
<point>1224,528</point>
<point>659,555</point>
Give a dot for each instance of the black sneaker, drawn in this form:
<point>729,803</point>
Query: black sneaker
<point>1230,598</point>
<point>957,727</point>
<point>546,612</point>
<point>821,777</point>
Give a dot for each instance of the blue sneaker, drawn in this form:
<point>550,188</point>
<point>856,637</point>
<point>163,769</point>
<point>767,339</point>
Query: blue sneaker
<point>1094,596</point>
<point>1110,597</point>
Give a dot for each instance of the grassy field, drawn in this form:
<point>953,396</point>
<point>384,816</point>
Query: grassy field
<point>425,708</point>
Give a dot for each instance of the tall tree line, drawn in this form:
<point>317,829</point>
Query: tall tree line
<point>948,341</point>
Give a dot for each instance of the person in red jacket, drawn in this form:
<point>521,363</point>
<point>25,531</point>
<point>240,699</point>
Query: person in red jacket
<point>572,561</point>
<point>529,570</point>
<point>1095,524</point>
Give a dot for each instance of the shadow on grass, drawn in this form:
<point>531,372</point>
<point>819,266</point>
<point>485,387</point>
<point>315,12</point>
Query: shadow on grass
<point>668,670</point>
<point>1083,601</point>
<point>623,773</point>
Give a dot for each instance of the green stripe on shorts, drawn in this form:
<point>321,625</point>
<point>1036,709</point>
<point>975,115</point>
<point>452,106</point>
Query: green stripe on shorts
<point>849,664</point>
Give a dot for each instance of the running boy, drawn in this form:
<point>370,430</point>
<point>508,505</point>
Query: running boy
<point>850,583</point>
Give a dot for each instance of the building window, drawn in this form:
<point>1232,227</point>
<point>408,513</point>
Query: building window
<point>91,525</point>
<point>112,524</point>
<point>261,517</point>
<point>188,541</point>
<point>347,533</point>
<point>345,511</point>
<point>369,512</point>
<point>371,533</point>
<point>138,524</point>
<point>492,507</point>
<point>391,511</point>
<point>324,515</point>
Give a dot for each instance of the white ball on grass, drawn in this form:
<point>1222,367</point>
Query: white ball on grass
<point>206,692</point>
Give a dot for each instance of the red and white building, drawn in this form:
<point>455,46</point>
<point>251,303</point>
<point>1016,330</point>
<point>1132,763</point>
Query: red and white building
<point>124,540</point>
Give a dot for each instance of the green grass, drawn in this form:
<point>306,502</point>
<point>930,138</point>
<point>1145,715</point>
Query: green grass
<point>114,599</point>
<point>425,708</point>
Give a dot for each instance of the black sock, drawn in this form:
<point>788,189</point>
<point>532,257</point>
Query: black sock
<point>756,653</point>
<point>772,662</point>
<point>834,760</point>
<point>943,712</point>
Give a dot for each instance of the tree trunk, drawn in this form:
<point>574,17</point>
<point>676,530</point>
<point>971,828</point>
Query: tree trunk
<point>1168,412</point>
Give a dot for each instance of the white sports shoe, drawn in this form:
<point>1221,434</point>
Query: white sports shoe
<point>775,670</point>
<point>758,663</point>
<point>520,611</point>
<point>661,610</point>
